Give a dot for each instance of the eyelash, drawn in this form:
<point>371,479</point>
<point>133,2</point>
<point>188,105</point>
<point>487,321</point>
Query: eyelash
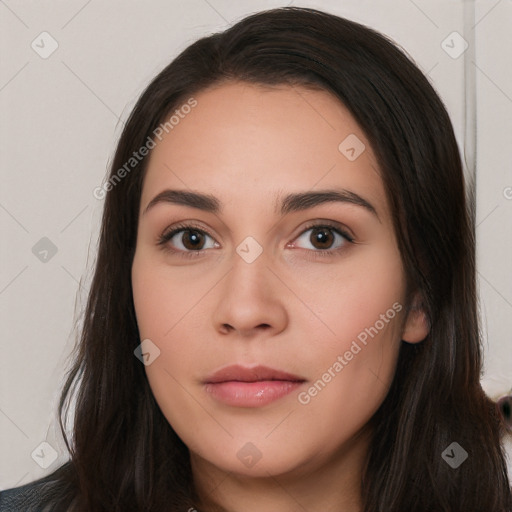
<point>164,238</point>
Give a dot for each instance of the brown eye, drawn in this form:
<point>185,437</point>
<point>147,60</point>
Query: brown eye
<point>322,237</point>
<point>186,239</point>
<point>192,239</point>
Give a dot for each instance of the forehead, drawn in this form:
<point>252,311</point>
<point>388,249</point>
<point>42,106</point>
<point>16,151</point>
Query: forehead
<point>250,143</point>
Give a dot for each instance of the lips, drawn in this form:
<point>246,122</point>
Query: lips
<point>245,374</point>
<point>256,386</point>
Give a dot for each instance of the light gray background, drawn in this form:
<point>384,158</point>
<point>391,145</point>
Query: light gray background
<point>61,117</point>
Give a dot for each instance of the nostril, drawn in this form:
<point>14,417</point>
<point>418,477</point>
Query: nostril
<point>226,328</point>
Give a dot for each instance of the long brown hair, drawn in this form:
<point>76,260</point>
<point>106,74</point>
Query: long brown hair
<point>125,455</point>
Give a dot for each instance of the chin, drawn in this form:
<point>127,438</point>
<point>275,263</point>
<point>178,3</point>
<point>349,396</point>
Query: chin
<point>256,459</point>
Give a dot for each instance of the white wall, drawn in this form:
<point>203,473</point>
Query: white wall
<point>60,122</point>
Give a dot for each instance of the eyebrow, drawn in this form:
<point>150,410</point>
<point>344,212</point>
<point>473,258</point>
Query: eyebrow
<point>290,203</point>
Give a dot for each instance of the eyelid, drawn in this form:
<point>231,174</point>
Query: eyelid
<point>183,226</point>
<point>169,233</point>
<point>336,226</point>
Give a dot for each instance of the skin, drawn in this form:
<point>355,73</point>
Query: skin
<point>248,146</point>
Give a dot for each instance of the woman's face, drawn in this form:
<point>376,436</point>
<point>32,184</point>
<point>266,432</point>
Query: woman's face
<point>284,257</point>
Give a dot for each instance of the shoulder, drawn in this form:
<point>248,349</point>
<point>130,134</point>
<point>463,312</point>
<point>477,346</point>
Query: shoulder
<point>26,497</point>
<point>31,497</point>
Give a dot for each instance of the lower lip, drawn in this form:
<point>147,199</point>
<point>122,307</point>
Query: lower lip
<point>251,394</point>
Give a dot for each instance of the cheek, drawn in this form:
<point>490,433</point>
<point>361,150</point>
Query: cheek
<point>161,310</point>
<point>351,376</point>
<point>163,306</point>
<point>167,304</point>
<point>164,296</point>
<point>353,362</point>
<point>362,300</point>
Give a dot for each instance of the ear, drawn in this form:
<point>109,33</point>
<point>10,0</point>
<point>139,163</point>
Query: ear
<point>416,326</point>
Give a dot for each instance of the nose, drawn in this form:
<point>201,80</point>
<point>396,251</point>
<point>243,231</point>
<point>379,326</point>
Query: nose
<point>251,300</point>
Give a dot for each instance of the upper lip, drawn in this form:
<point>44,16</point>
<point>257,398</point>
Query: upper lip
<point>250,374</point>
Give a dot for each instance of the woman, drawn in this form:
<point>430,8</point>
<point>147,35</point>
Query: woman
<point>283,313</point>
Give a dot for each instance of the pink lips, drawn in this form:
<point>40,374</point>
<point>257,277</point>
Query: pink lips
<point>240,386</point>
